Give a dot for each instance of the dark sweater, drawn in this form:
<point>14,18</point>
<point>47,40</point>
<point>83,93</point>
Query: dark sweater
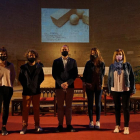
<point>89,70</point>
<point>31,81</point>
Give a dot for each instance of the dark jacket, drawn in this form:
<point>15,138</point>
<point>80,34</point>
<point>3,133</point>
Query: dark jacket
<point>31,86</point>
<point>88,71</point>
<point>128,77</point>
<point>62,75</point>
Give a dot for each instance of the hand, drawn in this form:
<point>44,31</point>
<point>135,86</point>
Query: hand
<point>110,94</point>
<point>64,85</point>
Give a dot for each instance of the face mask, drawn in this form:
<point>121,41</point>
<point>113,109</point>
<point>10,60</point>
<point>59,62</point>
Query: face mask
<point>31,60</point>
<point>93,57</point>
<point>65,53</point>
<point>118,57</point>
<point>3,58</point>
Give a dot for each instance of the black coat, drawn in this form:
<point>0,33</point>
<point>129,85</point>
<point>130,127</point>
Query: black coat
<point>31,86</point>
<point>62,75</point>
<point>88,71</point>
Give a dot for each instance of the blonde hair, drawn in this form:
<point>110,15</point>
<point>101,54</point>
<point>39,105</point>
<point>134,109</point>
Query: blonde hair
<point>123,54</point>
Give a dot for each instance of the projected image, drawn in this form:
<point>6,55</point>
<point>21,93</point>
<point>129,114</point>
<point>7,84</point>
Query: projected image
<point>64,25</point>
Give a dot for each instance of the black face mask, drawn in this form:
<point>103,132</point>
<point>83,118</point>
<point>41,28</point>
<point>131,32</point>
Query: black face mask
<point>65,53</point>
<point>93,57</point>
<point>31,60</point>
<point>3,58</point>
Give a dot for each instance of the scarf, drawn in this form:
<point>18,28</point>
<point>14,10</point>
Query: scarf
<point>118,67</point>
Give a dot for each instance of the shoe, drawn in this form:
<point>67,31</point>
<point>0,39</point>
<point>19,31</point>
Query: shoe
<point>117,129</point>
<point>38,129</point>
<point>23,131</point>
<point>4,131</point>
<point>97,126</point>
<point>59,128</point>
<point>126,130</point>
<point>70,128</point>
<point>91,124</point>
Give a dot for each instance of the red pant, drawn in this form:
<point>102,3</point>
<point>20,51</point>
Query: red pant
<point>26,106</point>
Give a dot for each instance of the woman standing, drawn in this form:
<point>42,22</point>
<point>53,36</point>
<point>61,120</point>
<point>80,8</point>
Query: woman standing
<point>121,85</point>
<point>92,78</point>
<point>7,77</point>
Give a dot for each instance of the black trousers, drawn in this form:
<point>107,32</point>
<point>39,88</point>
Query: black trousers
<point>90,96</point>
<point>125,98</point>
<point>5,97</point>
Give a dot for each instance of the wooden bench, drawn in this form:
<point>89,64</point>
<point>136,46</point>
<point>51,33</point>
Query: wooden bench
<point>134,102</point>
<point>47,99</point>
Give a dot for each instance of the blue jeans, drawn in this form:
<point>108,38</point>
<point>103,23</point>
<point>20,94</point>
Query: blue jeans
<point>90,96</point>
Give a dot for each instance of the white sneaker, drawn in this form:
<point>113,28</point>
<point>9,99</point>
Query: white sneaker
<point>23,131</point>
<point>91,124</point>
<point>126,130</point>
<point>38,129</point>
<point>97,126</point>
<point>4,131</point>
<point>117,129</point>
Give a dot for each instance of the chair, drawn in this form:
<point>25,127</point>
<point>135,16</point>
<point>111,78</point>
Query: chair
<point>16,106</point>
<point>48,98</point>
<point>79,93</point>
<point>106,99</point>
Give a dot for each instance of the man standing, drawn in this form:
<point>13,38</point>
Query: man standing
<point>31,76</point>
<point>64,71</point>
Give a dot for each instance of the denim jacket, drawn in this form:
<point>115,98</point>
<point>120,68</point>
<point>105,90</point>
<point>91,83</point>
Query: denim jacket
<point>128,77</point>
<point>88,71</point>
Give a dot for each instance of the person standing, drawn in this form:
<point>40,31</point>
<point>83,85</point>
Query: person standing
<point>93,79</point>
<point>39,62</point>
<point>64,71</point>
<point>7,77</point>
<point>31,76</point>
<point>121,84</point>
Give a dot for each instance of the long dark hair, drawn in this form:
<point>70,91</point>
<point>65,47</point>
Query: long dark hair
<point>99,58</point>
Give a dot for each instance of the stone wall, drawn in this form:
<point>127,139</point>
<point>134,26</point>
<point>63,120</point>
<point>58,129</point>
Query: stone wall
<point>113,24</point>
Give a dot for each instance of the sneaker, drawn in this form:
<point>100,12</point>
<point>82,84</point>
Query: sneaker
<point>126,130</point>
<point>23,131</point>
<point>59,128</point>
<point>97,126</point>
<point>70,128</point>
<point>91,124</point>
<point>38,129</point>
<point>4,131</point>
<point>117,129</point>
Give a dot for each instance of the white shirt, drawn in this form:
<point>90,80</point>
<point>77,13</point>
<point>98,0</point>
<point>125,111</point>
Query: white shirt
<point>64,61</point>
<point>7,75</point>
<point>119,82</point>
